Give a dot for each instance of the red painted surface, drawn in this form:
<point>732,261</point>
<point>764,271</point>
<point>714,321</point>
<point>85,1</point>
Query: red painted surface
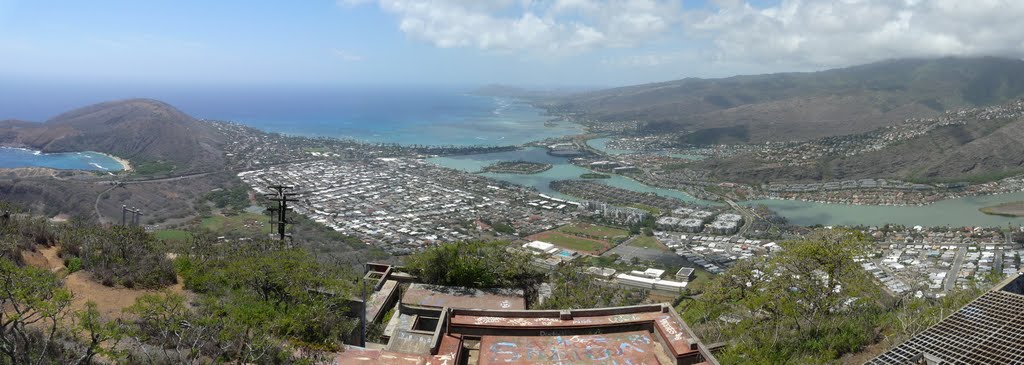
<point>596,321</point>
<point>446,296</point>
<point>627,348</point>
<point>667,326</point>
<point>361,356</point>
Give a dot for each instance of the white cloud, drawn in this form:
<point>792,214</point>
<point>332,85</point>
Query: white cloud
<point>346,55</point>
<point>845,32</point>
<point>733,34</point>
<point>559,26</point>
<point>647,60</point>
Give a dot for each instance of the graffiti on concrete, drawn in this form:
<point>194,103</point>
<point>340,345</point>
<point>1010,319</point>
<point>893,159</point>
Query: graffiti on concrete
<point>631,348</point>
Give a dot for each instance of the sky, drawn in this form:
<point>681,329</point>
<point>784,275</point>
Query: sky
<point>518,42</point>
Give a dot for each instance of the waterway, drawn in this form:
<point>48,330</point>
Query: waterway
<point>92,161</point>
<point>561,170</point>
<point>952,212</point>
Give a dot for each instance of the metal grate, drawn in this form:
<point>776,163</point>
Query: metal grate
<point>989,330</point>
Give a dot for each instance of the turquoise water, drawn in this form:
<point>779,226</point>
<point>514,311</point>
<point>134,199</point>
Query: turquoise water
<point>17,157</point>
<point>427,115</point>
<point>408,116</point>
<point>561,170</point>
<point>953,212</point>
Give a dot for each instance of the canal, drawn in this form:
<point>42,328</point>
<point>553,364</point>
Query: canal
<point>952,212</point>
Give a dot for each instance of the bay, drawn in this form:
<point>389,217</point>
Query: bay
<point>93,161</point>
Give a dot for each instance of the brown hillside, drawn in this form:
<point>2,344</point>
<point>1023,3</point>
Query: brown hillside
<point>136,129</point>
<point>980,149</point>
<point>797,106</point>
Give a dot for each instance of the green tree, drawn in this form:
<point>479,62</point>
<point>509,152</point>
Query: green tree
<point>118,255</point>
<point>572,288</point>
<point>477,264</point>
<point>809,303</point>
<point>101,337</point>
<point>473,264</point>
<point>34,306</point>
<point>263,287</point>
<point>165,321</point>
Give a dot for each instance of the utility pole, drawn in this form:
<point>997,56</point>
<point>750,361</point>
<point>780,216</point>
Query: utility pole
<point>136,213</point>
<point>279,218</point>
<point>362,337</point>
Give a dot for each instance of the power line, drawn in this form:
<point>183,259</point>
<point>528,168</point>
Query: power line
<point>278,216</point>
<point>136,213</point>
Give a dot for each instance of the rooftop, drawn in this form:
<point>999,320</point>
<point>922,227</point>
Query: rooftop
<point>636,347</point>
<point>433,325</point>
<point>438,296</point>
<point>644,334</point>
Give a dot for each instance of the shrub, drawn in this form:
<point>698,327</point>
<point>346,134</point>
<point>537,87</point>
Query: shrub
<point>119,255</point>
<point>74,264</point>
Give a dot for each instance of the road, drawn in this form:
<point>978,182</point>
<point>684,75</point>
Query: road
<point>96,205</point>
<point>748,216</point>
<point>116,184</point>
<point>954,271</point>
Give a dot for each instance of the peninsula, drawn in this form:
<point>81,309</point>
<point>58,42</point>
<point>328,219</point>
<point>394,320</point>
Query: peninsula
<point>1010,209</point>
<point>517,167</point>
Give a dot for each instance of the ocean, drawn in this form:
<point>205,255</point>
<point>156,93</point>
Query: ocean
<point>18,157</point>
<point>404,115</point>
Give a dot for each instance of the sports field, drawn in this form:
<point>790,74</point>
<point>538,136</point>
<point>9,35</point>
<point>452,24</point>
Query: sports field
<point>250,224</point>
<point>643,241</point>
<point>578,244</point>
<point>592,231</point>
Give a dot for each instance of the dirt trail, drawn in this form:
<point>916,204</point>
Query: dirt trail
<point>109,301</point>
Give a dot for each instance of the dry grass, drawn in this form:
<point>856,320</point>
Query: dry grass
<point>110,301</point>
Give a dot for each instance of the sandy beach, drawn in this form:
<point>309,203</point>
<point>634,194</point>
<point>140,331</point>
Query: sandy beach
<point>127,165</point>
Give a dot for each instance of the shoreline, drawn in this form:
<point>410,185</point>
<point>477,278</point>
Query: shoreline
<point>1009,209</point>
<point>125,165</point>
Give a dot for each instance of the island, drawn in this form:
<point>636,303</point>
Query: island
<point>517,167</point>
<point>1010,209</point>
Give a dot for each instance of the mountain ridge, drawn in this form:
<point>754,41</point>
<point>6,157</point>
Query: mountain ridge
<point>806,105</point>
<point>971,145</point>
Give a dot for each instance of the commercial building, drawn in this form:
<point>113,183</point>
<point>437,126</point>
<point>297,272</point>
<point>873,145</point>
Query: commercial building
<point>685,274</point>
<point>647,283</point>
<point>541,247</point>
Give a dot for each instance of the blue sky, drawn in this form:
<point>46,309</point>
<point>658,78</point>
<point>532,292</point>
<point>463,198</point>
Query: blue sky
<point>552,42</point>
